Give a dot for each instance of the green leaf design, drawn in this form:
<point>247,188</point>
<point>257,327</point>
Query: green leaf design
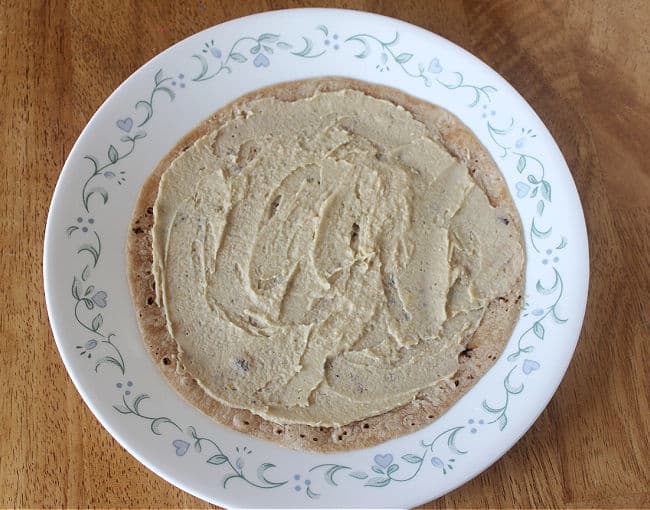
<point>502,422</point>
<point>268,49</point>
<point>204,70</point>
<point>546,291</point>
<point>499,131</point>
<point>490,409</point>
<point>238,57</point>
<point>540,233</point>
<point>112,154</point>
<point>98,320</point>
<point>538,329</point>
<point>403,58</point>
<point>562,244</point>
<point>513,356</point>
<point>138,400</point>
<point>167,91</point>
<point>155,424</point>
<point>451,442</point>
<point>391,469</point>
<point>491,129</point>
<point>394,41</point>
<point>108,360</point>
<point>557,319</point>
<point>263,467</point>
<point>378,470</point>
<point>98,190</point>
<point>531,179</point>
<point>255,49</point>
<point>413,459</point>
<point>85,273</point>
<point>543,290</point>
<point>329,474</point>
<point>359,475</point>
<point>89,289</point>
<point>533,193</point>
<point>323,29</point>
<point>268,38</point>
<point>262,476</point>
<point>546,190</point>
<point>76,288</point>
<point>366,47</point>
<point>311,494</point>
<point>540,207</point>
<point>377,481</point>
<point>283,45</point>
<point>148,109</point>
<point>217,459</point>
<point>71,229</point>
<point>521,164</point>
<point>94,161</point>
<point>158,78</point>
<point>306,50</point>
<point>477,99</point>
<point>227,478</point>
<point>92,250</point>
<point>121,409</point>
<point>487,89</point>
<point>515,390</point>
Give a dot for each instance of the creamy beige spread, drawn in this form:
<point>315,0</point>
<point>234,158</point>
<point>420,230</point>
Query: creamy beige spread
<point>323,260</point>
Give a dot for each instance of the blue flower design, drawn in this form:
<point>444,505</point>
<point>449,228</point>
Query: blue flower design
<point>530,366</point>
<point>85,224</point>
<point>434,66</point>
<point>129,384</point>
<point>327,42</point>
<point>111,175</point>
<point>261,60</point>
<point>212,49</point>
<point>99,298</point>
<point>88,346</point>
<point>179,81</point>
<point>548,259</point>
<point>440,464</point>
<point>525,134</point>
<point>383,63</point>
<point>522,189</point>
<point>485,113</point>
<point>383,461</point>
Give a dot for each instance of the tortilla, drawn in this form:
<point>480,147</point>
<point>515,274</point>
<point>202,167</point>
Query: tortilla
<point>480,351</point>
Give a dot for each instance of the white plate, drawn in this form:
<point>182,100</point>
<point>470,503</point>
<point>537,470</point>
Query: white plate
<point>93,319</point>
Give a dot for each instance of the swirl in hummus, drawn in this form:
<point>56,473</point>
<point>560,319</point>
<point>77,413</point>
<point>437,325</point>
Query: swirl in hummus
<point>323,260</point>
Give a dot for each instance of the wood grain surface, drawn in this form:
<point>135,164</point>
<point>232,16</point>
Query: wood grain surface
<point>584,66</point>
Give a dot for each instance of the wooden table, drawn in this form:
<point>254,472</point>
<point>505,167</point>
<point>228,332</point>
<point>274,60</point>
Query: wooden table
<point>585,68</point>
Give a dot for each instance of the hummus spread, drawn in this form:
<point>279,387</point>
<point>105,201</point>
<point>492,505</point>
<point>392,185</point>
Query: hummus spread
<point>324,260</point>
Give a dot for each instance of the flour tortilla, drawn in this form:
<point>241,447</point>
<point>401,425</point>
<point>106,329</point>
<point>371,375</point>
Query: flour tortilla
<point>481,352</point>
